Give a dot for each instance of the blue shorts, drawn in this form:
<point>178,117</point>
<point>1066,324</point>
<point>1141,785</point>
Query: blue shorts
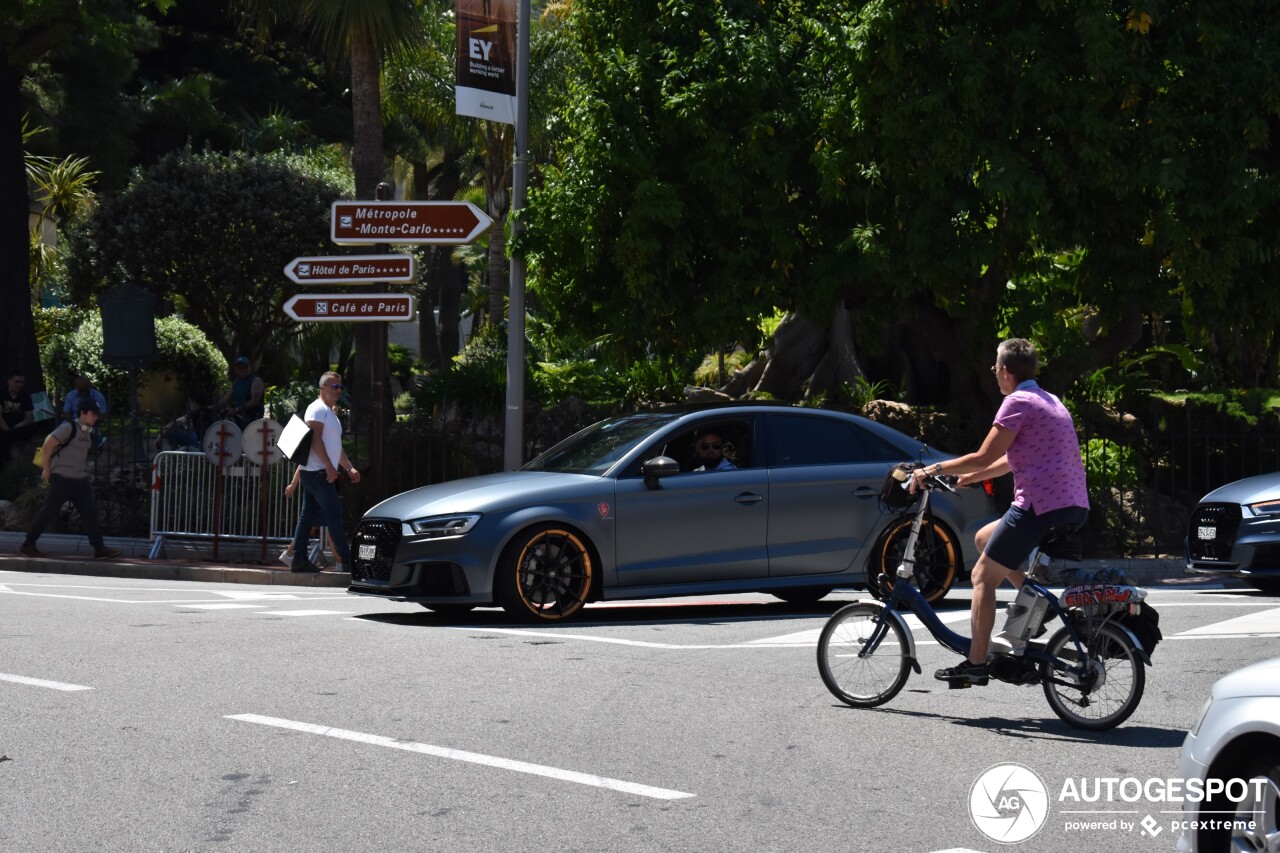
<point>1021,530</point>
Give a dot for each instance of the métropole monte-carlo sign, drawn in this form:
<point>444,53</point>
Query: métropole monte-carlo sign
<point>356,223</point>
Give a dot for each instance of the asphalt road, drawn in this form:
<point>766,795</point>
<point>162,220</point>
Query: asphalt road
<point>146,716</point>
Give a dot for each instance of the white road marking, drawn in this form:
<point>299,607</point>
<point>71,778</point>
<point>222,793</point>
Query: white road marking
<point>237,595</point>
<point>810,637</point>
<point>1262,624</point>
<point>618,641</point>
<point>301,613</point>
<point>223,606</point>
<point>470,757</point>
<point>216,594</point>
<point>40,682</point>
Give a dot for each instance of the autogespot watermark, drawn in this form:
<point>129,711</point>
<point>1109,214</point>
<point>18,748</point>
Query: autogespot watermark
<point>1009,803</point>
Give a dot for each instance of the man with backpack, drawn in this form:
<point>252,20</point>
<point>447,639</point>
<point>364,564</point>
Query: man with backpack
<point>65,467</point>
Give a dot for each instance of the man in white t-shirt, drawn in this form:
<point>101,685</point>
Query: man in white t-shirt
<point>320,502</point>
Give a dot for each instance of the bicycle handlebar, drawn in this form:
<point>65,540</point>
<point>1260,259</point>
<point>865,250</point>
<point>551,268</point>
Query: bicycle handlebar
<point>945,481</point>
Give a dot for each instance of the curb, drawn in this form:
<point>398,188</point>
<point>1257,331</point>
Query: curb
<point>161,571</point>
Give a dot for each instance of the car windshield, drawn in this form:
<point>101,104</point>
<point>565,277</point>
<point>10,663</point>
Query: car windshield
<point>599,446</point>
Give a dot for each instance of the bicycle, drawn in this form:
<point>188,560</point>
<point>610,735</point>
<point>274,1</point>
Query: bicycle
<point>1092,669</point>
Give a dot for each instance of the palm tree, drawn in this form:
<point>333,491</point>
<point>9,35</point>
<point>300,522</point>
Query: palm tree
<point>363,32</point>
<point>64,192</point>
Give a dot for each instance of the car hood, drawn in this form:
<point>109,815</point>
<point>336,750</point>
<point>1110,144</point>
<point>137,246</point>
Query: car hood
<point>1259,679</point>
<point>483,494</point>
<point>1248,491</point>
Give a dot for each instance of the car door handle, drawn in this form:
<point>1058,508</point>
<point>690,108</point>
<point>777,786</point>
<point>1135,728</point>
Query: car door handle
<point>864,492</point>
<point>748,498</point>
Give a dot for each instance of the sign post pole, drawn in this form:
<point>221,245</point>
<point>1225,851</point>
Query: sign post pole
<point>513,420</point>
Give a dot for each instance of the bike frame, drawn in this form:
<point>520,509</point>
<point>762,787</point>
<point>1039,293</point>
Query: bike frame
<point>905,595</point>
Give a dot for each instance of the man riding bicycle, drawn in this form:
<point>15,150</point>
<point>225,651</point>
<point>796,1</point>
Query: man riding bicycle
<point>1034,437</point>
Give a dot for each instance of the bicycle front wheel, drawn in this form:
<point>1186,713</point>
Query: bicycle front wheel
<point>855,671</point>
<point>1110,686</point>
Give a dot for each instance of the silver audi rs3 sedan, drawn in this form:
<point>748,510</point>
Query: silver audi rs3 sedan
<point>672,502</point>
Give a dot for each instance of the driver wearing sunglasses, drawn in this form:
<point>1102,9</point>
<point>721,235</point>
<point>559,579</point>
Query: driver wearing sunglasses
<point>710,449</point>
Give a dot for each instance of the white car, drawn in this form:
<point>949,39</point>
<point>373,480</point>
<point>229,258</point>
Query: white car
<point>1232,754</point>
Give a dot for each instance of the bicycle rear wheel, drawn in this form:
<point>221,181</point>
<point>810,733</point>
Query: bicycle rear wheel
<point>853,674</point>
<point>1111,687</point>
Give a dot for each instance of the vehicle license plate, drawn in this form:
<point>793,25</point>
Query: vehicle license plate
<point>1206,532</point>
<point>370,552</point>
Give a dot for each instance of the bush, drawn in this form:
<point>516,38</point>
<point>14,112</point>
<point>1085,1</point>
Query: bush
<point>707,374</point>
<point>182,353</point>
<point>293,397</point>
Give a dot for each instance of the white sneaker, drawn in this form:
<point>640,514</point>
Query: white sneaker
<point>286,558</point>
<point>337,566</point>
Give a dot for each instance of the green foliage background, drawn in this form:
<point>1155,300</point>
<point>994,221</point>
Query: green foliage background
<point>212,233</point>
<point>183,353</point>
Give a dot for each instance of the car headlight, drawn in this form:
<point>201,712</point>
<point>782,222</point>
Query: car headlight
<point>1204,712</point>
<point>1265,508</point>
<point>444,526</point>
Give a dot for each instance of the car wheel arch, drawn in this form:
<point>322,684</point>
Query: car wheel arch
<point>1242,748</point>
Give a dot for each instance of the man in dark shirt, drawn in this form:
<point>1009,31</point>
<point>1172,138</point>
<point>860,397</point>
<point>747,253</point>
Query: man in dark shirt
<point>65,458</point>
<point>18,420</point>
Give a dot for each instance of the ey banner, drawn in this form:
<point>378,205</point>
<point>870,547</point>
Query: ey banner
<point>486,73</point>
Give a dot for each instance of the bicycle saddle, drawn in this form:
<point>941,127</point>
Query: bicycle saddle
<point>1063,543</point>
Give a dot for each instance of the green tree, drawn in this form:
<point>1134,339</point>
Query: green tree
<point>212,233</point>
<point>440,148</point>
<point>34,35</point>
<point>962,151</point>
<point>361,32</point>
<point>1215,158</point>
<point>676,201</point>
<point>64,191</point>
<point>182,352</point>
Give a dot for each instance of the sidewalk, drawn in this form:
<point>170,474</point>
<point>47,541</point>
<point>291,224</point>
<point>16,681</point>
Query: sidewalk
<point>241,563</point>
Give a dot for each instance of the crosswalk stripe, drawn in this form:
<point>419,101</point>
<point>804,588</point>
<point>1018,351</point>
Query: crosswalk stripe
<point>1262,623</point>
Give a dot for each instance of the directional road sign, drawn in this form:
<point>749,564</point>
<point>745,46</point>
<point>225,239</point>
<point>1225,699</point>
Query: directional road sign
<point>343,308</point>
<point>352,269</point>
<point>355,223</point>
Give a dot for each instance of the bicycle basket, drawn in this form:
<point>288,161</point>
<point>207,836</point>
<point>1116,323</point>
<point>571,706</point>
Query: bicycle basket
<point>893,491</point>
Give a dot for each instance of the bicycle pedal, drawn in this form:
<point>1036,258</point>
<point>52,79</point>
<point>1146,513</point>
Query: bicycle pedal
<point>959,684</point>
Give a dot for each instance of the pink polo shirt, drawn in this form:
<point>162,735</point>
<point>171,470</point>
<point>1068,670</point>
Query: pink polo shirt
<point>1045,454</point>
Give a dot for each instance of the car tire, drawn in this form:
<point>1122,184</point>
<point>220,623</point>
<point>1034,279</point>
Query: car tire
<point>938,559</point>
<point>545,574</point>
<point>1248,765</point>
<point>802,594</point>
<point>1271,586</point>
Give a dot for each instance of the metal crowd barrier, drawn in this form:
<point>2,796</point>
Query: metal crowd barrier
<point>191,498</point>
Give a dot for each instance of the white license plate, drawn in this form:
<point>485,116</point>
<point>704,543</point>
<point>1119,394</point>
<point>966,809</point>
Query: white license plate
<point>1206,532</point>
<point>370,552</point>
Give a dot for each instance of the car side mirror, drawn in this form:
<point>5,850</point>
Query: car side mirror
<point>658,466</point>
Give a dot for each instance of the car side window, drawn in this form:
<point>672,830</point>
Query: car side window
<point>796,440</point>
<point>733,440</point>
